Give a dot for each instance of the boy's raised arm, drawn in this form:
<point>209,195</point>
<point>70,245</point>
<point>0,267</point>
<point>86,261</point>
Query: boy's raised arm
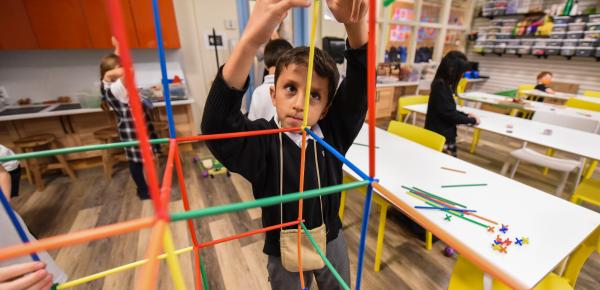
<point>267,14</point>
<point>352,14</point>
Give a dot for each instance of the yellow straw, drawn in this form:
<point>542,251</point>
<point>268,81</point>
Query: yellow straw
<point>311,59</point>
<point>172,261</point>
<point>119,269</point>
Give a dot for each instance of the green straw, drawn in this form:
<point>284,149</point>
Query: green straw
<point>464,185</point>
<point>329,265</point>
<point>461,216</point>
<point>53,152</point>
<point>413,194</point>
<point>267,201</point>
<point>439,197</point>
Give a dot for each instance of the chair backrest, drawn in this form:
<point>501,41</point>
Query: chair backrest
<point>407,101</point>
<point>577,123</point>
<point>595,94</point>
<point>580,256</point>
<point>419,135</point>
<point>581,104</point>
<point>522,88</point>
<point>462,86</point>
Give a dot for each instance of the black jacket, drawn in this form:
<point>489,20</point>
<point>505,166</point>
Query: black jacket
<point>257,158</point>
<point>442,116</point>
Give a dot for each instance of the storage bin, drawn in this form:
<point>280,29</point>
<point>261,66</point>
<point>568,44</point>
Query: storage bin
<point>498,11</point>
<point>507,29</point>
<point>594,18</point>
<point>541,42</point>
<point>527,41</point>
<point>494,29</point>
<point>555,42</point>
<point>496,22</point>
<point>580,26</point>
<point>510,22</point>
<point>513,42</point>
<point>478,48</point>
<point>598,52</point>
<point>568,50</point>
<point>593,26</point>
<point>562,19</point>
<point>488,49</point>
<point>584,51</point>
<point>512,49</point>
<point>487,11</point>
<point>558,35</point>
<point>575,34</point>
<point>592,34</point>
<point>560,28</point>
<point>503,35</point>
<point>524,49</point>
<point>589,42</point>
<point>499,48</point>
<point>570,42</point>
<point>538,50</point>
<point>552,50</point>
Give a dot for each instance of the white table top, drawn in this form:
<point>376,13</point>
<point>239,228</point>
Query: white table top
<point>531,105</point>
<point>554,226</point>
<point>564,139</point>
<point>561,96</point>
<point>47,112</point>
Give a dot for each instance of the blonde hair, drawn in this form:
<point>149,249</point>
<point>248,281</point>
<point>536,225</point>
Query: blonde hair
<point>108,63</point>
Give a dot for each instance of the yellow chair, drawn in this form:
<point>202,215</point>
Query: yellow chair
<point>581,104</point>
<point>468,276</point>
<point>587,191</point>
<point>592,94</point>
<point>461,88</point>
<point>416,134</point>
<point>402,114</point>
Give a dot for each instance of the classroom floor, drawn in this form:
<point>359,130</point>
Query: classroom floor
<point>93,201</point>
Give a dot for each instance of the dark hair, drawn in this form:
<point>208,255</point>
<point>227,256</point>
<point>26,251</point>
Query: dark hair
<point>543,74</point>
<point>324,66</point>
<point>274,49</point>
<point>451,69</point>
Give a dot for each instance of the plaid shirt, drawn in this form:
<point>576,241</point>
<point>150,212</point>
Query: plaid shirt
<point>126,126</point>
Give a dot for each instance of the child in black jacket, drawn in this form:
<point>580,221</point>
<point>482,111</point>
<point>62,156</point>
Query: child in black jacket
<point>442,115</point>
<point>272,162</point>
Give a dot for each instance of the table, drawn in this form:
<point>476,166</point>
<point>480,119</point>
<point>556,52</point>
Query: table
<point>561,96</point>
<point>532,106</point>
<point>549,224</point>
<point>564,139</point>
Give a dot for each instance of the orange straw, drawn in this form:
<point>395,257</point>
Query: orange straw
<point>249,233</point>
<point>75,238</point>
<point>148,276</point>
<point>300,205</point>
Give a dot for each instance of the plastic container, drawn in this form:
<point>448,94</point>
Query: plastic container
<point>555,42</point>
<point>527,41</point>
<point>524,49</point>
<point>584,51</point>
<point>541,42</point>
<point>487,11</point>
<point>488,49</point>
<point>496,22</point>
<point>499,48</point>
<point>478,48</point>
<point>568,50</point>
<point>489,42</point>
<point>580,26</point>
<point>562,19</point>
<point>552,50</point>
<point>509,22</point>
<point>558,35</point>
<point>513,42</point>
<point>592,34</point>
<point>507,29</point>
<point>494,29</point>
<point>594,18</point>
<point>538,50</point>
<point>593,26</point>
<point>560,28</point>
<point>589,42</point>
<point>512,49</point>
<point>598,52</point>
<point>575,34</point>
<point>503,35</point>
<point>570,42</point>
<point>499,11</point>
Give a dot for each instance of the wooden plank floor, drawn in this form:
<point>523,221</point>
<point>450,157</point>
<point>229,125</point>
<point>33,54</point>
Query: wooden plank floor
<point>93,201</point>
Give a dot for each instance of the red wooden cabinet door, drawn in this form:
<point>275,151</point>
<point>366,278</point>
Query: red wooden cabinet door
<point>58,23</point>
<point>15,29</point>
<point>144,23</point>
<point>99,25</point>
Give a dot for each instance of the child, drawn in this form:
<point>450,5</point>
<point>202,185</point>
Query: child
<point>544,80</point>
<point>22,273</point>
<point>13,168</point>
<point>272,162</point>
<point>115,95</point>
<point>442,116</point>
<point>261,105</point>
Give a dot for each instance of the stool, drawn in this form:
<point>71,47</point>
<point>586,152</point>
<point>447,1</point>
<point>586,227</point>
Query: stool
<point>110,157</point>
<point>161,128</point>
<point>34,168</point>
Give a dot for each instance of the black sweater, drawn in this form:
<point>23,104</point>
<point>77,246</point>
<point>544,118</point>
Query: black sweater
<point>257,158</point>
<point>442,116</point>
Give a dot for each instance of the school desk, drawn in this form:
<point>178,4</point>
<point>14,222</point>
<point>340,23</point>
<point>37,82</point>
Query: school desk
<point>560,96</point>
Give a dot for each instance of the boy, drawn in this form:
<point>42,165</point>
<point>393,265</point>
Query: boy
<point>13,168</point>
<point>261,105</point>
<point>271,162</point>
<point>544,80</point>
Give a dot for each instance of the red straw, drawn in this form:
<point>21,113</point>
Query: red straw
<point>167,181</point>
<point>118,28</point>
<point>235,135</point>
<point>250,233</point>
<point>371,87</point>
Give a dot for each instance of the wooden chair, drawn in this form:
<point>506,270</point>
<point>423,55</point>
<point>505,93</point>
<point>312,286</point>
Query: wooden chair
<point>35,169</point>
<point>110,157</point>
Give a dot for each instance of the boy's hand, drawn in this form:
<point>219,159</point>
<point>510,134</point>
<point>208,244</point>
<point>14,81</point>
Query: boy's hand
<point>30,276</point>
<point>113,74</point>
<point>266,15</point>
<point>115,44</point>
<point>348,11</point>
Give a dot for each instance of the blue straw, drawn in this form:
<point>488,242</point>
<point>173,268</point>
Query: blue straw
<point>445,208</point>
<point>363,235</point>
<point>163,68</point>
<point>338,155</point>
<point>15,221</point>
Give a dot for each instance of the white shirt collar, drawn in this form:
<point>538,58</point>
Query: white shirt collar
<point>269,79</point>
<point>297,137</point>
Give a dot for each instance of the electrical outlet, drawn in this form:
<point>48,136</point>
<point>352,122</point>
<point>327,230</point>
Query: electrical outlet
<point>229,24</point>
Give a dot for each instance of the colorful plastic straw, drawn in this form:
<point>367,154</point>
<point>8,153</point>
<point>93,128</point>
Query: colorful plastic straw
<point>445,208</point>
<point>172,261</point>
<point>464,185</point>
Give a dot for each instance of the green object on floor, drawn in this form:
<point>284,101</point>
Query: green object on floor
<point>510,94</point>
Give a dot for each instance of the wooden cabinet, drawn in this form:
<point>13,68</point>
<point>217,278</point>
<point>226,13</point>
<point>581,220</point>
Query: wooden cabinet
<point>58,23</point>
<point>98,23</point>
<point>67,24</point>
<point>384,100</point>
<point>15,29</point>
<point>144,23</point>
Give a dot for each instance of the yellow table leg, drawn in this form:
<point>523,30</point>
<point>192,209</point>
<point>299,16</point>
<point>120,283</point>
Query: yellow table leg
<point>549,152</point>
<point>476,132</point>
<point>428,240</point>
<point>590,171</point>
<point>342,205</point>
<point>380,233</point>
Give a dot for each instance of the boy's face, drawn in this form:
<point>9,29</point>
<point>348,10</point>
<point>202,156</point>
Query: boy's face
<point>288,96</point>
<point>546,80</point>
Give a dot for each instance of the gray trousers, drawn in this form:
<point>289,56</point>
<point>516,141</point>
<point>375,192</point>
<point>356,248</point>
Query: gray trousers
<point>337,254</point>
